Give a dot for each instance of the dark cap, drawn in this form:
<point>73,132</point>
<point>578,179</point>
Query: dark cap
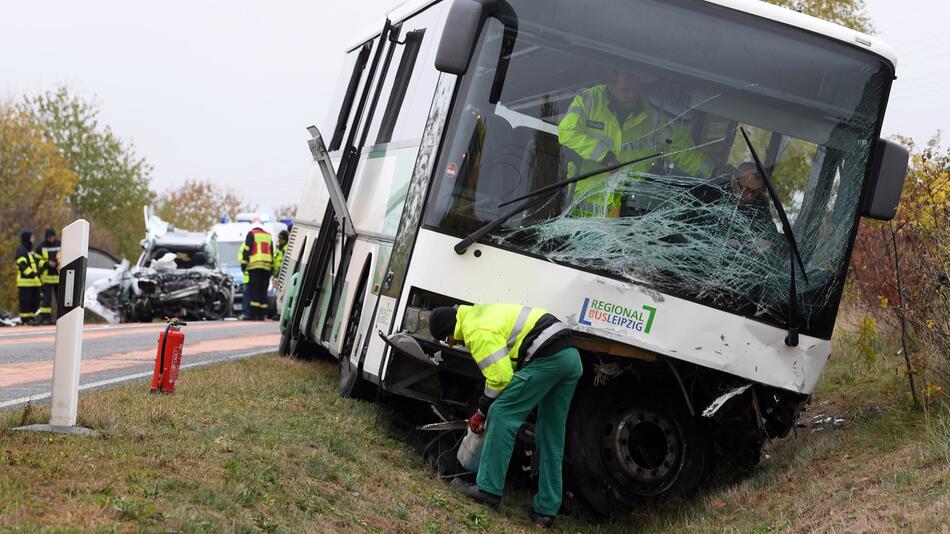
<point>50,232</point>
<point>283,235</point>
<point>442,322</point>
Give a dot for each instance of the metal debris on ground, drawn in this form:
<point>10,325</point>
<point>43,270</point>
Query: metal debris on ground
<point>9,319</point>
<point>820,421</point>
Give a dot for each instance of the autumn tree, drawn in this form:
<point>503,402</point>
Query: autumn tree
<point>113,181</point>
<point>198,204</point>
<point>35,186</point>
<point>848,13</point>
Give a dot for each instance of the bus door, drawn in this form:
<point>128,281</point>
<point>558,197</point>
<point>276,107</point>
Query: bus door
<point>316,284</point>
<point>380,169</point>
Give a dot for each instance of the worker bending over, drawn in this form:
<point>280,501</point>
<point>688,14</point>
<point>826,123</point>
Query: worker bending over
<point>258,262</point>
<point>529,360</point>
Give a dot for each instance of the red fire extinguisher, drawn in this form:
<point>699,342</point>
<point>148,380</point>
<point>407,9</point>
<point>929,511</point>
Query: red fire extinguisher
<point>168,359</point>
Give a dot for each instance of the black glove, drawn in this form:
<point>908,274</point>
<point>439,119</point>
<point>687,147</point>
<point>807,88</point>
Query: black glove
<point>484,403</point>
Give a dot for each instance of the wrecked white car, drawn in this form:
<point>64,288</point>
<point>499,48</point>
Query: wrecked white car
<point>176,275</point>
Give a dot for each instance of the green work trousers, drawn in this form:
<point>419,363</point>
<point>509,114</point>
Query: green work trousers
<point>548,383</point>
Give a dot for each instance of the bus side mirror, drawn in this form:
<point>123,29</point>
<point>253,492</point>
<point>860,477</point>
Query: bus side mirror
<point>888,170</point>
<point>461,30</point>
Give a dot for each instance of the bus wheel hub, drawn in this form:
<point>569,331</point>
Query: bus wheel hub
<point>642,444</point>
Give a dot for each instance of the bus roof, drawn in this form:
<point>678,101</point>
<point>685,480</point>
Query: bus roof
<point>407,8</point>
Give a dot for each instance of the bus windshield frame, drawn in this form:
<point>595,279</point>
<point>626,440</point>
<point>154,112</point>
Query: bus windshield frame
<point>587,88</point>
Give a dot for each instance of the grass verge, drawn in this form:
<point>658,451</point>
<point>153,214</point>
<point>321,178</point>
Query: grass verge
<point>266,444</point>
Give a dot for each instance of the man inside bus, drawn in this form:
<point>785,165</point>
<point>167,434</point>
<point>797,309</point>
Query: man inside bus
<point>750,196</point>
<point>613,123</point>
<point>528,359</point>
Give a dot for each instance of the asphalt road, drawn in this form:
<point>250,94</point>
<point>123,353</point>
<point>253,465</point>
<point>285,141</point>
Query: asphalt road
<point>113,354</point>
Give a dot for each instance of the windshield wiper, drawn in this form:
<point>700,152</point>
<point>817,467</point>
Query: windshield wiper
<point>535,197</point>
<point>793,310</point>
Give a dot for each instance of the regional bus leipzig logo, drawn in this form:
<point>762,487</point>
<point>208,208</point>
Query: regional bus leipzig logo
<point>617,315</point>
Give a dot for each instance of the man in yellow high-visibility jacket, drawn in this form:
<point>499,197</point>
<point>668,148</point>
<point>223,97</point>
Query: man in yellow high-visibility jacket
<point>279,251</point>
<point>245,280</point>
<point>28,281</point>
<point>48,251</point>
<point>259,262</point>
<point>528,359</point>
<point>613,123</point>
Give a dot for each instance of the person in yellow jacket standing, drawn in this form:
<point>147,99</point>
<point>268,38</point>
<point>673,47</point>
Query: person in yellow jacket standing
<point>48,251</point>
<point>245,280</point>
<point>28,278</point>
<point>279,251</point>
<point>259,262</point>
<point>613,123</point>
<point>528,359</point>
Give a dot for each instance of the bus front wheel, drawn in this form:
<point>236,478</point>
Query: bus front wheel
<point>626,449</point>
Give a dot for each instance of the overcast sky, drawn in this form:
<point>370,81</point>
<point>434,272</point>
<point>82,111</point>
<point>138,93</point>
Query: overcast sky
<point>224,90</point>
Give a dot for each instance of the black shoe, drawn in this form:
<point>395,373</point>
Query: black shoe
<point>488,499</point>
<point>541,520</point>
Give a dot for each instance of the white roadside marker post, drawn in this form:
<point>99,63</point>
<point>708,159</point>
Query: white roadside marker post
<point>69,324</point>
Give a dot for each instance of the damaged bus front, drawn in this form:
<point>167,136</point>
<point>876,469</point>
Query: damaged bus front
<point>680,181</point>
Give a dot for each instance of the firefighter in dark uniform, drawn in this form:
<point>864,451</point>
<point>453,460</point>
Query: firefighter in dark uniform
<point>48,251</point>
<point>259,262</point>
<point>528,359</point>
<point>28,278</point>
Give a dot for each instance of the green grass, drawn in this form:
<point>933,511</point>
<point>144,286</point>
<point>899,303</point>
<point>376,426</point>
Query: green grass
<point>266,444</point>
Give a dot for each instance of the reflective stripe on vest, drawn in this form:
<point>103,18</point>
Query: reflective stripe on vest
<point>261,256</point>
<point>493,334</point>
<point>591,129</point>
<point>48,274</point>
<point>27,276</point>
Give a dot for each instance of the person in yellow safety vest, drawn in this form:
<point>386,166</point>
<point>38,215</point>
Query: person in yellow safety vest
<point>613,123</point>
<point>48,251</point>
<point>245,280</point>
<point>28,281</point>
<point>279,251</point>
<point>528,359</point>
<point>259,258</point>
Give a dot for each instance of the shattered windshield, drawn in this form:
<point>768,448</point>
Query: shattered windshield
<point>672,82</point>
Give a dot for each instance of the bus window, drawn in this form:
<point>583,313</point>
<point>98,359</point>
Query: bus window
<point>410,82</point>
<point>347,90</point>
<point>400,84</point>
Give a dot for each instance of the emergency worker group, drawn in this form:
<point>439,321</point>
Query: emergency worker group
<point>37,273</point>
<point>37,276</point>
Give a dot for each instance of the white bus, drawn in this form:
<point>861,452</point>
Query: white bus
<point>703,306</point>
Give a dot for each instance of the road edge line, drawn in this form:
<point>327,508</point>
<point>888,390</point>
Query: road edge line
<point>129,378</point>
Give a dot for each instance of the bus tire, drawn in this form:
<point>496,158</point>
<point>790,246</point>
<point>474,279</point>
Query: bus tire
<point>625,450</point>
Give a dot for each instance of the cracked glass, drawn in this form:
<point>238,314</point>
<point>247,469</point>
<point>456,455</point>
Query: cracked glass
<point>669,84</point>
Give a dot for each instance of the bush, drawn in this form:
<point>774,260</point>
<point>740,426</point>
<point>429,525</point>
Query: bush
<point>900,268</point>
